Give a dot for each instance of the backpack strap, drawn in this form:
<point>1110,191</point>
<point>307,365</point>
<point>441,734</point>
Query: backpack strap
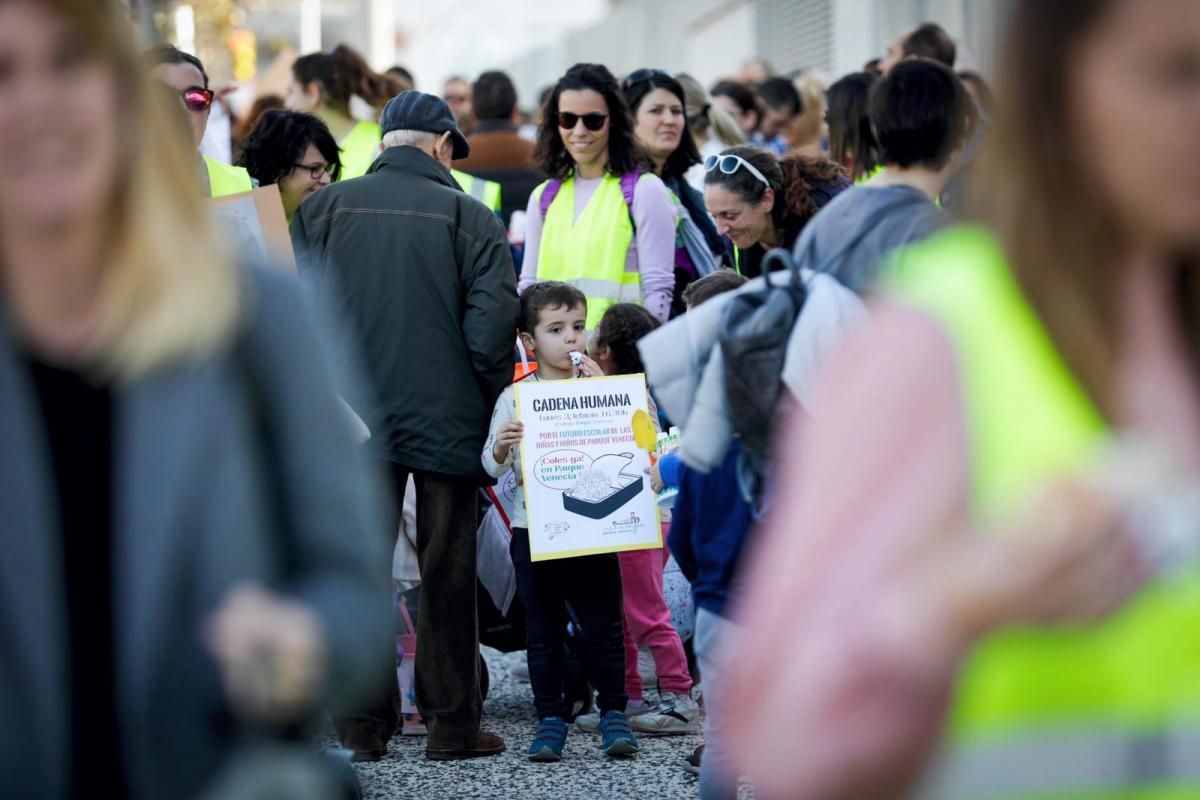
<point>548,194</point>
<point>628,186</point>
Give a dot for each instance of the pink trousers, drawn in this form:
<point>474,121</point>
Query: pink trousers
<point>648,623</point>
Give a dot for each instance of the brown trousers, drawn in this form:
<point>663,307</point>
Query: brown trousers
<point>447,667</point>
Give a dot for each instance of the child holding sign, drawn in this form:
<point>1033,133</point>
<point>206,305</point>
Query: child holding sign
<point>553,317</point>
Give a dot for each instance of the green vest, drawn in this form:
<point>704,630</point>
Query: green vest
<point>486,192</point>
<point>867,177</point>
<point>360,148</point>
<point>1110,710</point>
<point>224,179</point>
<point>590,253</point>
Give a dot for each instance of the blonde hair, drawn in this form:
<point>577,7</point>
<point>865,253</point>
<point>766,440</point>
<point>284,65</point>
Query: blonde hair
<point>806,127</point>
<point>704,117</point>
<point>170,290</point>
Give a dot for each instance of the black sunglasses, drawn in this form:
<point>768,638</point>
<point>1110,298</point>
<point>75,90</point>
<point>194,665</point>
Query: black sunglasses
<point>593,122</point>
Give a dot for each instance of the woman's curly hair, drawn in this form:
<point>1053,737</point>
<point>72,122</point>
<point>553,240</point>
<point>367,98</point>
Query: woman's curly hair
<point>624,153</point>
<point>278,142</point>
<point>803,183</point>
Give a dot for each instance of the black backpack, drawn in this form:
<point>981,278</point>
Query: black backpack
<point>755,331</point>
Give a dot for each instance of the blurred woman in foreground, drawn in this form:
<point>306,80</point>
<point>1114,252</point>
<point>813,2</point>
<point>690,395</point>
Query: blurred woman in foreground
<point>188,550</point>
<point>983,595</point>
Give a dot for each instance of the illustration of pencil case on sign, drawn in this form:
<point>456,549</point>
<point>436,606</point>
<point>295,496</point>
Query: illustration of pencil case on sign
<point>604,487</point>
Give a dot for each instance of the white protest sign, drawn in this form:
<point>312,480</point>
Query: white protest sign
<point>586,490</point>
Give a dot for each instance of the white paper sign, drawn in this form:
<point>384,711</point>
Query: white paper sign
<point>586,490</point>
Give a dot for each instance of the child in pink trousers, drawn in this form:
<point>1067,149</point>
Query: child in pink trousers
<point>647,617</point>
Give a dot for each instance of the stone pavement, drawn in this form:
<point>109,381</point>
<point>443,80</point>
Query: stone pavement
<point>583,774</point>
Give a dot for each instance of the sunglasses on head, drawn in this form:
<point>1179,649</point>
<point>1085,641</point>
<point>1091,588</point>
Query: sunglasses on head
<point>593,122</point>
<point>197,99</point>
<point>729,164</point>
<point>641,75</point>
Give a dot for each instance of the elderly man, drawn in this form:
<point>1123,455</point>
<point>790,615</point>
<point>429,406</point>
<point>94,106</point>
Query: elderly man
<point>423,275</point>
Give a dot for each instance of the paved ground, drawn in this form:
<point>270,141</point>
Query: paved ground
<point>583,774</point>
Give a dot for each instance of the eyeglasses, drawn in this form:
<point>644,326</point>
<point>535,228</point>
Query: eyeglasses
<point>593,122</point>
<point>315,171</point>
<point>641,75</point>
<point>729,164</point>
<point>197,99</point>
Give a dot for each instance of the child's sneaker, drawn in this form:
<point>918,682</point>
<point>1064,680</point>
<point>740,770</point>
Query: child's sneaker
<point>616,737</point>
<point>590,723</point>
<point>674,715</point>
<point>691,764</point>
<point>548,742</point>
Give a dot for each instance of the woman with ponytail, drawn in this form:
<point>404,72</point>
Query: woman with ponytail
<point>324,83</point>
<point>762,203</point>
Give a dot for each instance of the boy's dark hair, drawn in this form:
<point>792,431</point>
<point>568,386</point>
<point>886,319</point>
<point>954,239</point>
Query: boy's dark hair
<point>921,113</point>
<point>624,154</point>
<point>780,93</point>
<point>930,41</point>
<point>711,285</point>
<point>278,142</point>
<point>619,330</point>
<point>494,96</point>
<point>170,54</point>
<point>548,294</point>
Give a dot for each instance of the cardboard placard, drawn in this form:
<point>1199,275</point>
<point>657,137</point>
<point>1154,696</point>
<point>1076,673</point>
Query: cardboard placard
<point>586,490</point>
<point>256,226</point>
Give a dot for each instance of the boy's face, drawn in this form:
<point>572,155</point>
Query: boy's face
<point>559,330</point>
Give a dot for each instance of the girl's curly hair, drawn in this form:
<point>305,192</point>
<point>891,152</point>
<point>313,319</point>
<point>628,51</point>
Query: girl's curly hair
<point>620,329</point>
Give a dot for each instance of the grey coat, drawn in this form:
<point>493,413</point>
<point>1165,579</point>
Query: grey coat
<point>194,515</point>
<point>685,367</point>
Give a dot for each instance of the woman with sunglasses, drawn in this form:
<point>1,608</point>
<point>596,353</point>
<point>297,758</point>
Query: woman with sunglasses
<point>658,104</point>
<point>762,203</point>
<point>191,562</point>
<point>988,540</point>
<point>295,151</point>
<point>324,83</point>
<point>603,222</point>
<point>185,74</point>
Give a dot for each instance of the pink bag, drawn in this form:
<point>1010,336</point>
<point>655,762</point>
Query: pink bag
<point>406,661</point>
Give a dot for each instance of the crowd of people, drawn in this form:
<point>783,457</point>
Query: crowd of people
<point>932,351</point>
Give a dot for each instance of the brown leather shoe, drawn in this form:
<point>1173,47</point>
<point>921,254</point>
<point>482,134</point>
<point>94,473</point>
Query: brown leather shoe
<point>488,745</point>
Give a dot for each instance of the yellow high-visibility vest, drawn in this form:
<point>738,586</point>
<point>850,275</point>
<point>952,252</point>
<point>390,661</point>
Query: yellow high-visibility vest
<point>486,192</point>
<point>590,253</point>
<point>225,179</point>
<point>1103,711</point>
<point>360,148</point>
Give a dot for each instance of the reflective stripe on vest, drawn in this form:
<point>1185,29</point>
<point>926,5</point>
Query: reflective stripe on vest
<point>224,179</point>
<point>1128,679</point>
<point>486,192</point>
<point>360,148</point>
<point>590,253</point>
<point>1071,763</point>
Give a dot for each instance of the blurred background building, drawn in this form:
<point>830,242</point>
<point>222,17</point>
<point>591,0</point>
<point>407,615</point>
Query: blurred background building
<point>252,41</point>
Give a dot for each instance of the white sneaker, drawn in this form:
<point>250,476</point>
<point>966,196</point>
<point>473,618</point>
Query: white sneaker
<point>590,723</point>
<point>520,672</point>
<point>674,715</point>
